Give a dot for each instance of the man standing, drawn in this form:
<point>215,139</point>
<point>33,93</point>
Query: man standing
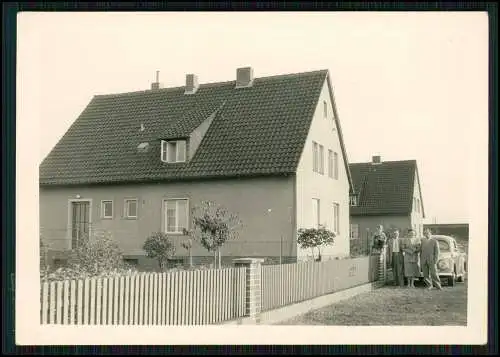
<point>428,258</point>
<point>397,260</point>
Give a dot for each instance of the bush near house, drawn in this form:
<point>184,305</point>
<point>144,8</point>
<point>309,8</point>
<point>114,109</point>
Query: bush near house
<point>99,256</point>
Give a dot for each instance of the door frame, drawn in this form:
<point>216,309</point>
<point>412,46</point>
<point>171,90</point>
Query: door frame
<point>70,220</point>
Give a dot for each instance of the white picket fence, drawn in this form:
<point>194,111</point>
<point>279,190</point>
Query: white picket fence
<point>177,298</point>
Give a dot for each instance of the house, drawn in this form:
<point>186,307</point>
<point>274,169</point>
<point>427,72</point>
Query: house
<point>458,230</point>
<point>386,193</point>
<point>268,149</point>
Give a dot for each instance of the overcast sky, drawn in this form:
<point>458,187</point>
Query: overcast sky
<point>407,85</point>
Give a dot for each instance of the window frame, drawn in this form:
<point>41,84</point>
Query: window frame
<point>335,165</point>
<point>126,207</point>
<point>317,204</point>
<point>325,109</point>
<point>330,163</point>
<point>165,221</point>
<point>166,147</point>
<point>315,149</point>
<point>103,209</point>
<point>321,159</point>
<point>336,218</point>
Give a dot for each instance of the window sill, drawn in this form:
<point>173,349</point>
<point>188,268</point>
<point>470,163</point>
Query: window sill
<point>130,218</point>
<point>107,218</point>
<point>175,233</point>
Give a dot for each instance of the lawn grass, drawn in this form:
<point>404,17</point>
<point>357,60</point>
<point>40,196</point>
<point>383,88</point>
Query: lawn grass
<point>394,306</point>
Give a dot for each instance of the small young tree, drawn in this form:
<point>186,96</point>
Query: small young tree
<point>315,238</point>
<point>188,244</point>
<point>212,226</point>
<point>159,246</point>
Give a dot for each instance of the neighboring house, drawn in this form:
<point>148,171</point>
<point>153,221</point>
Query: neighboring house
<point>386,193</point>
<point>457,230</point>
<point>268,149</point>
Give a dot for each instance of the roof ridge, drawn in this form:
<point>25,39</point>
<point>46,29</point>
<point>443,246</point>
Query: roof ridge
<point>210,84</point>
<point>384,162</point>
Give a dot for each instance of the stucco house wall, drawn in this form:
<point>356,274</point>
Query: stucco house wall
<point>313,185</point>
<point>265,206</point>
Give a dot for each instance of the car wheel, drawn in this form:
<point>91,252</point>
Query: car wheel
<point>451,280</point>
<point>460,279</point>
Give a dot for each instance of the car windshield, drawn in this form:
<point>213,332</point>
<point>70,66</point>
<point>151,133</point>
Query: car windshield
<point>443,246</point>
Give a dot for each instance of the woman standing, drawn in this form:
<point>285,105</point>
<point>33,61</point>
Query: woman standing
<point>411,260</point>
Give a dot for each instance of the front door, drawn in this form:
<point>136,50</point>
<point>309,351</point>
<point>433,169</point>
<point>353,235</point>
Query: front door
<point>80,221</point>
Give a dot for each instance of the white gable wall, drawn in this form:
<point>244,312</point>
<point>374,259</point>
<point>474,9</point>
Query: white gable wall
<point>417,221</point>
<point>328,190</point>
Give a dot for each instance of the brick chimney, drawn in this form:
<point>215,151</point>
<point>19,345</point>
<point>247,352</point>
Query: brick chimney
<point>191,84</point>
<point>157,84</point>
<point>244,77</point>
<point>376,160</point>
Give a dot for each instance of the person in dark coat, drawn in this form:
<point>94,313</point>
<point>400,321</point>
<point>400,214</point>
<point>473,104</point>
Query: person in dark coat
<point>429,255</point>
<point>397,259</point>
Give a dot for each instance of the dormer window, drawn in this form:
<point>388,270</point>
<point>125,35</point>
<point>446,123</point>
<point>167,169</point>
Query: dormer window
<point>353,200</point>
<point>173,151</point>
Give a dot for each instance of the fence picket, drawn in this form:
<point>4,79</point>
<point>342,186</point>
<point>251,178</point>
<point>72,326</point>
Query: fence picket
<point>137,287</point>
<point>105,301</point>
<point>155,298</point>
<point>72,304</point>
<point>86,305</point>
<point>65,302</point>
<point>45,302</point>
<point>99,302</point>
<point>150,299</point>
<point>79,314</point>
<point>92,301</point>
<point>168,300</point>
<point>111,292</point>
<point>189,298</point>
<point>59,302</point>
<point>141,299</point>
<point>126,307</point>
<point>52,306</point>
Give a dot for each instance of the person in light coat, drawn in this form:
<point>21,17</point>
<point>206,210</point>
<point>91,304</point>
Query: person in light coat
<point>429,256</point>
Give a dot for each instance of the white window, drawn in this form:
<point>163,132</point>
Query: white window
<point>316,213</point>
<point>176,215</point>
<point>107,209</point>
<point>354,231</point>
<point>353,200</point>
<point>336,166</point>
<point>321,160</point>
<point>330,163</point>
<point>173,151</point>
<point>336,218</point>
<point>325,109</point>
<point>418,205</point>
<point>315,156</point>
<point>131,208</point>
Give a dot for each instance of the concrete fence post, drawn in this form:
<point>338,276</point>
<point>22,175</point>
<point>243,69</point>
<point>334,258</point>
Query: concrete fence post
<point>253,287</point>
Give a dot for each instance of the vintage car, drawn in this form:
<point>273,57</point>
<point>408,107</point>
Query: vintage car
<point>452,262</point>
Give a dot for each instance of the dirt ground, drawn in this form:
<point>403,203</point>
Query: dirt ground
<point>394,306</point>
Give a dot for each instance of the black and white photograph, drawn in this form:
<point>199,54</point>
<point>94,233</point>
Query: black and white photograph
<point>262,173</point>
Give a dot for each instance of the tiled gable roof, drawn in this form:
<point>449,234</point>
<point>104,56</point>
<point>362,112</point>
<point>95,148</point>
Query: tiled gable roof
<point>384,189</point>
<point>260,130</point>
